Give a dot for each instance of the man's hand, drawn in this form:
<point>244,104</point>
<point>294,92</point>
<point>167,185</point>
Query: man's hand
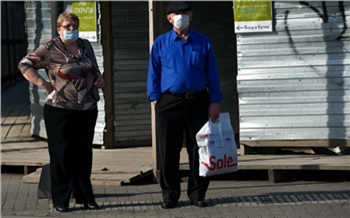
<point>214,111</point>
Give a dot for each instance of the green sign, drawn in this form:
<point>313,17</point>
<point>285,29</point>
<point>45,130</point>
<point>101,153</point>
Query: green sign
<point>86,11</point>
<point>252,15</point>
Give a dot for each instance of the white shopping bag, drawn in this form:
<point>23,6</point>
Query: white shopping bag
<point>217,147</point>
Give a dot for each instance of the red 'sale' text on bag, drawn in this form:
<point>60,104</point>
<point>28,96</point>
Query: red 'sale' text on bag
<point>221,163</point>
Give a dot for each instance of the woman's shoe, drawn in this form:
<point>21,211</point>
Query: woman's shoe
<point>91,206</point>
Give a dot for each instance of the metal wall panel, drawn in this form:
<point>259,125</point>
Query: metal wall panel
<point>293,83</point>
<point>132,114</point>
<point>13,40</point>
<point>38,24</point>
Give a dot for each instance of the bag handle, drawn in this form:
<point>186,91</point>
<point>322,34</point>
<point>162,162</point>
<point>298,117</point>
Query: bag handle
<point>216,126</point>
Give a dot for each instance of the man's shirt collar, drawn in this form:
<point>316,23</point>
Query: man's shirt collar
<point>175,37</point>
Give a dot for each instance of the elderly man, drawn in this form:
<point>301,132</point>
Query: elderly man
<point>184,85</point>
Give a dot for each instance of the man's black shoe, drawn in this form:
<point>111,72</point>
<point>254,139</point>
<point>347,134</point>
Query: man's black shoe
<point>60,208</point>
<point>168,204</point>
<point>91,206</point>
<point>199,203</point>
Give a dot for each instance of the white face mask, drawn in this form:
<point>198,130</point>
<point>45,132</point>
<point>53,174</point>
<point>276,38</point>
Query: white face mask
<point>181,21</point>
<point>70,36</point>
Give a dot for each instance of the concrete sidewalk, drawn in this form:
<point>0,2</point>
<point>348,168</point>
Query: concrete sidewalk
<point>226,199</point>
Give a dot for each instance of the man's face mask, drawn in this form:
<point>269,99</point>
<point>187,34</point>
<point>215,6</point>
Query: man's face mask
<point>181,21</point>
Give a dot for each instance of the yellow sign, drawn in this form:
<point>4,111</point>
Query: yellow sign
<point>252,16</point>
<point>86,11</point>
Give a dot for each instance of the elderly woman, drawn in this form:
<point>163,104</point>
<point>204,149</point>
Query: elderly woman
<point>70,109</point>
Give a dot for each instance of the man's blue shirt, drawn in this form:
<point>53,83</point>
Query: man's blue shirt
<point>179,66</point>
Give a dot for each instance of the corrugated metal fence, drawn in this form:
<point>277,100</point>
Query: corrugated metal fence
<point>294,82</point>
<point>132,114</point>
<point>13,40</point>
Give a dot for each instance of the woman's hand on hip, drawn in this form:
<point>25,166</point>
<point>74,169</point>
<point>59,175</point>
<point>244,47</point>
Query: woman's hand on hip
<point>100,82</point>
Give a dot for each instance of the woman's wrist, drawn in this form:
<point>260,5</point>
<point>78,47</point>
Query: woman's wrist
<point>47,86</point>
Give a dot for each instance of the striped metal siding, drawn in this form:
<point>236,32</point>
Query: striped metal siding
<point>38,24</point>
<point>215,20</point>
<point>13,40</point>
<point>38,27</point>
<point>132,116</point>
<point>294,83</point>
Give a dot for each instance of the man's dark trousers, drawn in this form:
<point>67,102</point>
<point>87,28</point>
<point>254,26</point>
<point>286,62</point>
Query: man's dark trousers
<point>176,115</point>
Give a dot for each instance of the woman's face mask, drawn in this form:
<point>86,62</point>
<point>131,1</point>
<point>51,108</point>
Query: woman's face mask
<point>70,35</point>
<point>181,21</point>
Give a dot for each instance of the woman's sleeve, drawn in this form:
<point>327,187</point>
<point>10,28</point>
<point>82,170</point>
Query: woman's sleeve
<point>91,54</point>
<point>40,58</point>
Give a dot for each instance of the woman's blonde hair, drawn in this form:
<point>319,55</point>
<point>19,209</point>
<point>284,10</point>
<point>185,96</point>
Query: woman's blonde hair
<point>66,16</point>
